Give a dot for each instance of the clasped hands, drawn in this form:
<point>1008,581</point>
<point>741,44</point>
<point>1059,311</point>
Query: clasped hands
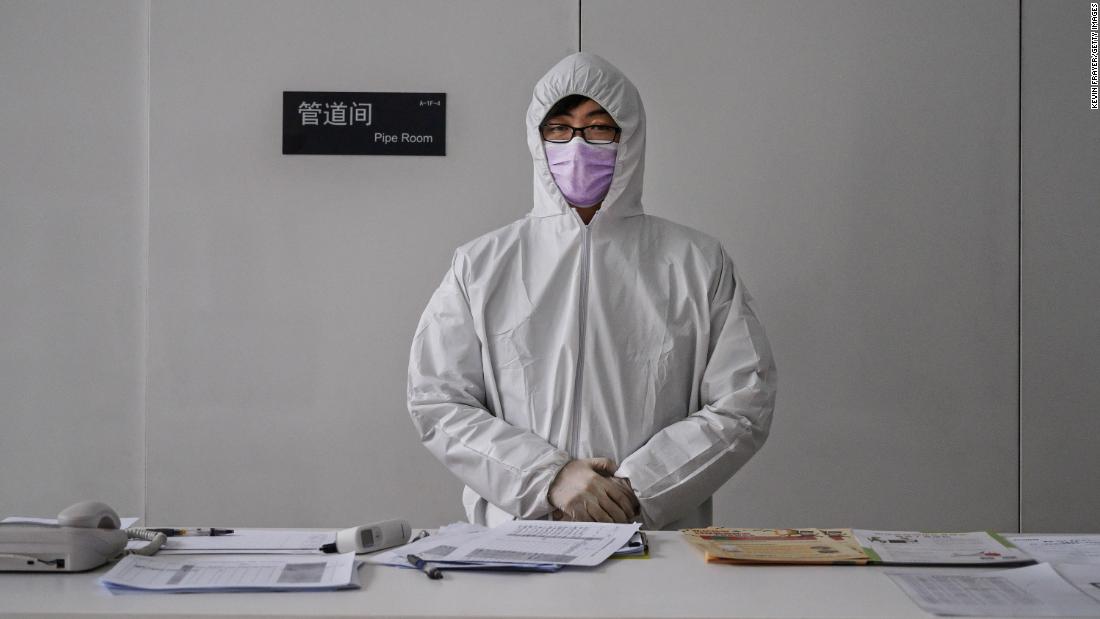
<point>586,490</point>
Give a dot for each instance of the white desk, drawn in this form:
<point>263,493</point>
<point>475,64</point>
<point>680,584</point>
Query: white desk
<point>674,582</point>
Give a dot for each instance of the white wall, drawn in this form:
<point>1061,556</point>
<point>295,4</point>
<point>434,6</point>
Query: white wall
<point>73,130</point>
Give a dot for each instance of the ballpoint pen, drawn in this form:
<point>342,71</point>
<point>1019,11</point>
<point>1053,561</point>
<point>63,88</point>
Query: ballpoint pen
<point>195,531</point>
<point>431,572</point>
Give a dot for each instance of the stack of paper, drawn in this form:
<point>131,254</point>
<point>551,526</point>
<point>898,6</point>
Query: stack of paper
<point>845,546</point>
<point>520,544</point>
<point>1068,585</point>
<point>777,546</point>
<point>225,573</point>
<point>1076,558</point>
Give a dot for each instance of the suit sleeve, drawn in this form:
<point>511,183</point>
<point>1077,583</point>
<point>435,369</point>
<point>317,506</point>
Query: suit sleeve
<point>508,466</point>
<point>688,461</point>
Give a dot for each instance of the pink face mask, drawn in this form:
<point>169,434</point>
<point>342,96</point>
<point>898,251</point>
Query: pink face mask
<point>581,170</point>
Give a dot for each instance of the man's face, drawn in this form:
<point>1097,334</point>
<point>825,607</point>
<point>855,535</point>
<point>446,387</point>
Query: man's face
<point>587,113</point>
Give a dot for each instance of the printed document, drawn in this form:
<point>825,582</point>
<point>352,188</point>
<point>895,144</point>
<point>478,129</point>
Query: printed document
<point>1059,548</point>
<point>524,542</point>
<point>543,541</point>
<point>1085,577</point>
<point>919,548</point>
<point>436,549</point>
<point>198,573</point>
<point>1033,591</point>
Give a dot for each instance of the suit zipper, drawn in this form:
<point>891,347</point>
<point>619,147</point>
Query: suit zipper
<point>579,379</point>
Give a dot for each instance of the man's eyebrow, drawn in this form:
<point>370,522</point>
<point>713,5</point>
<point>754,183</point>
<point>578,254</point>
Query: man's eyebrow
<point>592,113</point>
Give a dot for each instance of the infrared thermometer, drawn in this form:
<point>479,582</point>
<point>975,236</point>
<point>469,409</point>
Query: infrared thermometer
<point>371,537</point>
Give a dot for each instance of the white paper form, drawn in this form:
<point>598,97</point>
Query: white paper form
<point>1085,577</point>
<point>543,541</point>
<point>199,573</point>
<point>251,541</point>
<point>437,548</point>
<point>1059,548</point>
<point>1032,591</point>
<point>919,548</point>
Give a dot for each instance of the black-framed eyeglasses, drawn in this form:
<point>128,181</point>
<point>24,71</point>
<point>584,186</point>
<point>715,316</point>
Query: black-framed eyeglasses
<point>593,134</point>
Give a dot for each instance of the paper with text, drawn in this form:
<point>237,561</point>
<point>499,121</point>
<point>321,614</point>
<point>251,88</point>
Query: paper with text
<point>197,573</point>
<point>543,541</point>
<point>1032,591</point>
<point>922,548</point>
<point>1085,577</point>
<point>1059,548</point>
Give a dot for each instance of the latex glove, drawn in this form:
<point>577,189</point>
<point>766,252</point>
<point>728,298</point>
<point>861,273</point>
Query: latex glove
<point>585,491</point>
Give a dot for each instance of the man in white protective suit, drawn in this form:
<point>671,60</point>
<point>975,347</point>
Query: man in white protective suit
<point>590,361</point>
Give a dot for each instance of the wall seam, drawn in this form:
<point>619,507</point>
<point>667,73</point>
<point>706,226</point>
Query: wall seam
<point>580,24</point>
<point>1020,267</point>
<point>145,268</point>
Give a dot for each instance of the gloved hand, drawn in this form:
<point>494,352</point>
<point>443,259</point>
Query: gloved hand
<point>585,490</point>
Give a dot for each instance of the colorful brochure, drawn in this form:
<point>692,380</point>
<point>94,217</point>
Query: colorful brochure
<point>777,546</point>
<point>953,549</point>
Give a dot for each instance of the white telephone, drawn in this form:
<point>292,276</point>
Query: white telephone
<point>86,536</point>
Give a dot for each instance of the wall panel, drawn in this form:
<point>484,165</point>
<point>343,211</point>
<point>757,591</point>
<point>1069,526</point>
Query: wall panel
<point>285,289</point>
<point>72,243</point>
<point>858,159</point>
<point>1061,219</point>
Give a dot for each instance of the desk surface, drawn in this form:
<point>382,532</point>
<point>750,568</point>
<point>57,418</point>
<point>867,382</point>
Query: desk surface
<point>674,582</point>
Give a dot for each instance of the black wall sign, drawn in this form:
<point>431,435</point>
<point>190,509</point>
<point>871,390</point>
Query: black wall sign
<point>364,123</point>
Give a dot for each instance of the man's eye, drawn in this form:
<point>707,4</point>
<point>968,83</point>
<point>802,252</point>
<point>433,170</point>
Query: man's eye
<point>601,130</point>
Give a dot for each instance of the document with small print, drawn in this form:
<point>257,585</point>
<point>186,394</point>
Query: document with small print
<point>226,573</point>
<point>1059,548</point>
<point>1033,591</point>
<point>544,541</point>
<point>1085,577</point>
<point>438,547</point>
<point>950,549</point>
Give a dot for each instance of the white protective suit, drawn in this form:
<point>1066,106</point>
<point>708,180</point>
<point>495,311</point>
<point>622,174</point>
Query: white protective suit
<point>631,338</point>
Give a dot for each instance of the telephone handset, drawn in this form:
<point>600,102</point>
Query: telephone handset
<point>86,536</point>
<point>89,515</point>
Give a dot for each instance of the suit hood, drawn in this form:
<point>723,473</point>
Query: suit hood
<point>590,75</point>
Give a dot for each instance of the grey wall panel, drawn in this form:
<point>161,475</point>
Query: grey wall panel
<point>72,240</point>
<point>285,289</point>
<point>1060,339</point>
<point>859,160</point>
